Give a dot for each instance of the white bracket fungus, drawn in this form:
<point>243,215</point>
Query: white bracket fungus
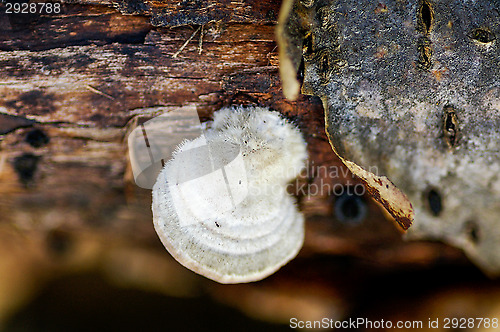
<point>220,205</point>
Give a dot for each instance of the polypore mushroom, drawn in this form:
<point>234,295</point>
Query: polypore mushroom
<point>220,205</point>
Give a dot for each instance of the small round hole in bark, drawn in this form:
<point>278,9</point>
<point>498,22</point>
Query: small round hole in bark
<point>300,72</point>
<point>483,35</point>
<point>472,231</point>
<point>37,138</point>
<point>426,16</point>
<point>450,126</point>
<point>58,242</point>
<point>350,208</point>
<point>434,202</point>
<point>25,166</point>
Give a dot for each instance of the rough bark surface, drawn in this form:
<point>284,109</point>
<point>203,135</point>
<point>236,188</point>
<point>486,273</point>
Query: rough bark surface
<point>411,91</point>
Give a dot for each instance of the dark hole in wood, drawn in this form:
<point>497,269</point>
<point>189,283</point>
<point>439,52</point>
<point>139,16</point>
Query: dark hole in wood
<point>58,242</point>
<point>426,16</point>
<point>300,71</point>
<point>483,35</point>
<point>37,138</point>
<point>350,208</point>
<point>450,126</point>
<point>472,230</point>
<point>435,202</point>
<point>25,167</point>
<point>325,66</point>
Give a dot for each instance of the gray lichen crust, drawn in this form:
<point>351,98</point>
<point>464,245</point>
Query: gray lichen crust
<point>411,91</point>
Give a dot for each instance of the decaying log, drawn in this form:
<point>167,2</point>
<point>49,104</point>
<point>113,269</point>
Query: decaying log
<point>72,86</point>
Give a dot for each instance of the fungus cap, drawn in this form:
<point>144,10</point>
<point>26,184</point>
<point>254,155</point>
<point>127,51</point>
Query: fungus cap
<point>220,205</point>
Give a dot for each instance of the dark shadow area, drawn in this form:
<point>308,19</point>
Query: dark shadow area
<point>89,303</point>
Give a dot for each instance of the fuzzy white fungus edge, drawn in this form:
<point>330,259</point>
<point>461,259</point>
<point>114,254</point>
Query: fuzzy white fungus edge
<point>264,231</point>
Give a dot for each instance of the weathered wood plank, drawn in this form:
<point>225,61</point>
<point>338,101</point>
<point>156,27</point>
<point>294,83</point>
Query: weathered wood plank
<point>85,77</point>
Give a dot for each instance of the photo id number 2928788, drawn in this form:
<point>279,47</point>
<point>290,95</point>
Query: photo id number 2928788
<point>32,7</point>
